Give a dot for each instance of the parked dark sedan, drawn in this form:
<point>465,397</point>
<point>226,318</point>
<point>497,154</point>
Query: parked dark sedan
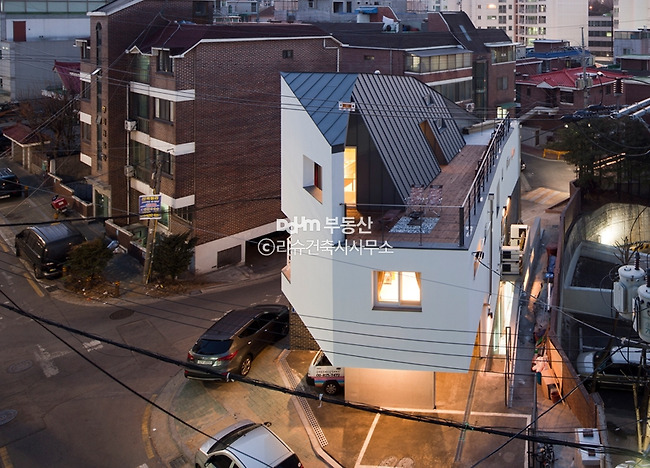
<point>231,344</point>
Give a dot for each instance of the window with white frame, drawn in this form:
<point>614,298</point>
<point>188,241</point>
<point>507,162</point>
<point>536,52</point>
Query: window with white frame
<point>164,62</point>
<point>164,110</point>
<point>86,131</point>
<point>398,289</point>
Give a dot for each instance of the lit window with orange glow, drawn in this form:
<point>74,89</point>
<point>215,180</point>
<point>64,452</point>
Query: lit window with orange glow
<point>398,289</point>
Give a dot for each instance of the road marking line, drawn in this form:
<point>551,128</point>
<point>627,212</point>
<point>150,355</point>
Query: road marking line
<point>148,447</point>
<point>33,284</point>
<point>367,441</point>
<point>4,457</point>
<point>93,345</point>
<point>45,359</point>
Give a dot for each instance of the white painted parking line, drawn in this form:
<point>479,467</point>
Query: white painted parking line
<point>367,441</point>
<point>409,462</point>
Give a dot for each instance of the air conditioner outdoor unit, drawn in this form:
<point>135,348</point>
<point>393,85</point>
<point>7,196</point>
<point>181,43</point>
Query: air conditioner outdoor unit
<point>130,125</point>
<point>510,260</point>
<point>470,106</point>
<point>129,171</point>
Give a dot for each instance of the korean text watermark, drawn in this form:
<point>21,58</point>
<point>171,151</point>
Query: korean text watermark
<point>346,224</point>
<point>268,247</point>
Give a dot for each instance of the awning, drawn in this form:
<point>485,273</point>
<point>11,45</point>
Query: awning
<point>507,105</point>
<point>367,10</point>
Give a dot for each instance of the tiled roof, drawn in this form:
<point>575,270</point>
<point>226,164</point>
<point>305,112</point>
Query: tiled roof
<point>24,135</point>
<point>371,35</point>
<point>567,77</point>
<point>181,37</point>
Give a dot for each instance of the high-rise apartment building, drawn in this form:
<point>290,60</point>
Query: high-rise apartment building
<point>631,14</point>
<point>526,21</point>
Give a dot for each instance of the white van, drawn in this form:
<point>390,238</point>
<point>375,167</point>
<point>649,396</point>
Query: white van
<point>322,374</point>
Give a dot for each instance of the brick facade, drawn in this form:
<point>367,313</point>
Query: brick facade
<point>233,120</point>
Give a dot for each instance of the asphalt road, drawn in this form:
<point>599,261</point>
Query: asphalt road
<point>58,406</point>
<point>548,173</point>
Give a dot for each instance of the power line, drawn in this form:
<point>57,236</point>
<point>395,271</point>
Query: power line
<point>363,407</point>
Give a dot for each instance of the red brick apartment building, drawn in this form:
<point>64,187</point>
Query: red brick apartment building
<point>201,100</point>
<point>164,87</point>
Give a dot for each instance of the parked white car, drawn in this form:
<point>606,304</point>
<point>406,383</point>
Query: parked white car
<point>322,374</point>
<point>246,445</point>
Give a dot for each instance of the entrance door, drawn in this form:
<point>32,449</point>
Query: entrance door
<point>20,31</point>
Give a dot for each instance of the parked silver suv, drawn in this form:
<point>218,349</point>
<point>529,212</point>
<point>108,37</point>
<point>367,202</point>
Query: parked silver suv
<point>231,344</point>
<point>246,445</point>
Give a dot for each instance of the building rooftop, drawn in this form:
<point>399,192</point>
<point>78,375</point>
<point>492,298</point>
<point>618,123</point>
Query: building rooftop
<point>566,78</point>
<point>180,37</point>
<point>437,171</point>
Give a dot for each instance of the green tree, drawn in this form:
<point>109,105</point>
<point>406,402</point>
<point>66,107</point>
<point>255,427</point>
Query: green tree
<point>87,261</point>
<point>173,254</point>
<point>605,151</point>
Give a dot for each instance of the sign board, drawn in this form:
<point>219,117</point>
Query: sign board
<point>347,106</point>
<point>150,207</point>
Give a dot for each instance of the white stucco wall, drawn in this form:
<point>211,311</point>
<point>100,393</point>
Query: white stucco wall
<point>28,67</point>
<point>50,28</point>
<point>333,291</point>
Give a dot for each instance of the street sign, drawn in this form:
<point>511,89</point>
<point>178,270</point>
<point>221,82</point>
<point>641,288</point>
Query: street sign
<point>150,207</point>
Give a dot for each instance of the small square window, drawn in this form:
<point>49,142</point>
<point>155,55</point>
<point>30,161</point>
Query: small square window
<point>287,54</point>
<point>398,289</point>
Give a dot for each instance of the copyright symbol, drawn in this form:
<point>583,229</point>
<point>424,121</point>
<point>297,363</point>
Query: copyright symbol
<point>266,247</point>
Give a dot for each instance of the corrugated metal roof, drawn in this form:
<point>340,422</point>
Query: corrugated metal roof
<point>320,94</point>
<point>393,108</point>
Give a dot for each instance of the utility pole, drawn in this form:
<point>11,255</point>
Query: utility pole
<point>585,87</point>
<point>152,223</point>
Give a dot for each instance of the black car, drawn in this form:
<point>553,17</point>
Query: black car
<point>231,344</point>
<point>10,186</point>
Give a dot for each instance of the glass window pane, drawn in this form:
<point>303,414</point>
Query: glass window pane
<point>36,7</point>
<point>388,287</point>
<point>15,7</point>
<point>410,287</point>
<point>435,63</point>
<point>57,7</point>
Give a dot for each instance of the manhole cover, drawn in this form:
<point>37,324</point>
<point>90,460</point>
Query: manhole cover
<point>120,314</point>
<point>19,366</point>
<point>7,415</point>
<point>177,462</point>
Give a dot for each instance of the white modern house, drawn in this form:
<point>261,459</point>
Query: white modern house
<point>399,208</point>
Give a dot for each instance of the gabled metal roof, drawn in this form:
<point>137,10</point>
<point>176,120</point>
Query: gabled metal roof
<point>394,109</point>
<point>320,94</point>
